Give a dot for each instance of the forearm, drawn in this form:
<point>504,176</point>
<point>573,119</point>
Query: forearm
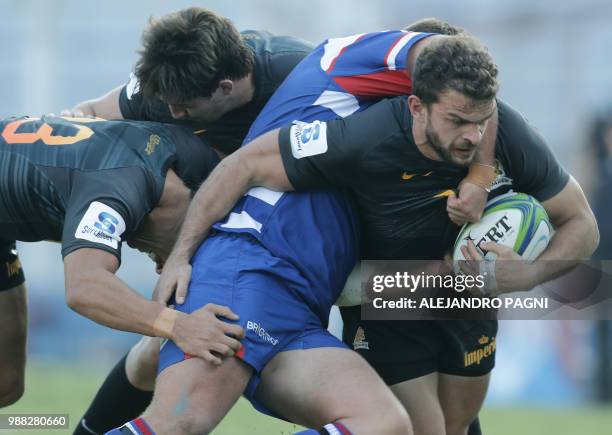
<point>105,299</point>
<point>573,241</point>
<point>485,153</point>
<point>84,108</point>
<point>215,198</point>
<point>107,106</point>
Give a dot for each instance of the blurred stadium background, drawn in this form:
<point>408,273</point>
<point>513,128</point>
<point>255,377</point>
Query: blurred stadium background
<point>552,377</point>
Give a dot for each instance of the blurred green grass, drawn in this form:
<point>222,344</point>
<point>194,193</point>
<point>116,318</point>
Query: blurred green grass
<point>64,389</point>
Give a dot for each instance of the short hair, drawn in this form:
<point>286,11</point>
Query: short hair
<point>434,25</point>
<point>458,63</point>
<point>186,53</point>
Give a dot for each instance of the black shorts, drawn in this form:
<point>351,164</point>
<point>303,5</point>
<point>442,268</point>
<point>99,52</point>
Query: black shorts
<point>404,350</point>
<point>11,273</point>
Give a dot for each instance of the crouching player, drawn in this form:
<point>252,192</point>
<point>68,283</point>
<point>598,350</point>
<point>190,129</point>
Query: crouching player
<point>281,277</point>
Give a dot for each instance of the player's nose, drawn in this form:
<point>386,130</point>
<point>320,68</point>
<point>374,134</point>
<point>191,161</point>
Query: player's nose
<point>473,134</point>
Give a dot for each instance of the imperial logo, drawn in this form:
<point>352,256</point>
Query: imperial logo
<point>13,268</point>
<point>485,351</point>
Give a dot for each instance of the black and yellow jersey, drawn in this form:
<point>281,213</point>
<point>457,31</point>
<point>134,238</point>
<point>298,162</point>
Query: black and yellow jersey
<point>275,57</point>
<point>89,182</point>
<point>400,194</point>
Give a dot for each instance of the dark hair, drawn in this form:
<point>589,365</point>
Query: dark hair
<point>185,54</point>
<point>434,25</point>
<point>458,63</point>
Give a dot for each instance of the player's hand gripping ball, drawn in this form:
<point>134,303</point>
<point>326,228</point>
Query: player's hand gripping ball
<point>514,226</point>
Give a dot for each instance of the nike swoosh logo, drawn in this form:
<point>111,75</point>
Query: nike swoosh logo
<point>407,176</point>
<point>447,193</point>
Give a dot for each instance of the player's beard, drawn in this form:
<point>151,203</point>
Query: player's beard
<point>444,151</point>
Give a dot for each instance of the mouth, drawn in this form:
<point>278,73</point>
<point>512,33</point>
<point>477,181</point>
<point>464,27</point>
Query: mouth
<point>465,151</point>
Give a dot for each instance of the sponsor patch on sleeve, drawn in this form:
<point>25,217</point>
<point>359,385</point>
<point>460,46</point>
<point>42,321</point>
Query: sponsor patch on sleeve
<point>308,139</point>
<point>132,87</point>
<point>101,224</point>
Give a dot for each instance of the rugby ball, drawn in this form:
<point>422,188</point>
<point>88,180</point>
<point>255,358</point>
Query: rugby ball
<point>516,220</point>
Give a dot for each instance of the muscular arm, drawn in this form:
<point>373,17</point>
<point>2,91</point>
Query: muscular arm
<point>258,164</point>
<point>93,290</point>
<point>107,106</point>
<point>576,236</point>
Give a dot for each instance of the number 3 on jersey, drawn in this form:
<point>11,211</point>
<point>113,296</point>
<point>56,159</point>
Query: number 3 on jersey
<point>45,132</point>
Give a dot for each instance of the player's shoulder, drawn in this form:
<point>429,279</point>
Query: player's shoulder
<point>390,115</point>
<point>385,122</point>
<point>514,130</point>
<point>275,58</point>
<point>511,122</point>
<point>263,42</point>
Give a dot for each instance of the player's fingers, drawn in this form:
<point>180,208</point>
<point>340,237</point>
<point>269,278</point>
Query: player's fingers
<point>208,356</point>
<point>162,291</point>
<point>469,266</point>
<point>232,343</point>
<point>465,267</point>
<point>221,310</point>
<point>182,284</point>
<point>222,349</point>
<point>495,248</point>
<point>452,201</point>
<point>473,252</point>
<point>235,331</point>
<point>456,218</point>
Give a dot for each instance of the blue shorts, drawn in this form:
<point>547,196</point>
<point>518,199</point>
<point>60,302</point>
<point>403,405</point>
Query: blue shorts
<point>236,270</point>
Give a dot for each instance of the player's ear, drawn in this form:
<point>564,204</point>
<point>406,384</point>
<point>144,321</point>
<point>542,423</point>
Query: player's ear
<point>418,110</point>
<point>226,86</point>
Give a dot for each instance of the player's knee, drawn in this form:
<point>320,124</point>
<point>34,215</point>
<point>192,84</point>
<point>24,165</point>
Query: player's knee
<point>11,390</point>
<point>399,423</point>
<point>390,419</point>
<point>141,364</point>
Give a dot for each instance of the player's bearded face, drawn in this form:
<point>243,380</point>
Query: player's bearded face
<point>458,153</point>
<point>455,127</point>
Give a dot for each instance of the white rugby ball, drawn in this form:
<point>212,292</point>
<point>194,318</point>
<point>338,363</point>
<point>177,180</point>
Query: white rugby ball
<point>516,220</point>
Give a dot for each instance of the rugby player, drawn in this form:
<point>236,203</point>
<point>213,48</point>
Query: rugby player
<point>400,158</point>
<point>214,80</point>
<point>196,69</point>
<point>307,232</point>
<point>125,392</point>
<point>91,184</point>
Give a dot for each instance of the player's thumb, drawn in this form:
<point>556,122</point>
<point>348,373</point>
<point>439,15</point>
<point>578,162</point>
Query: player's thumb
<point>496,248</point>
<point>182,284</point>
<point>223,311</point>
<point>453,200</point>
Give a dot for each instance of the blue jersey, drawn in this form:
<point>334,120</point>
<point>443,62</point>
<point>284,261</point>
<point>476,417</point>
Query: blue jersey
<point>317,231</point>
<point>340,77</point>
